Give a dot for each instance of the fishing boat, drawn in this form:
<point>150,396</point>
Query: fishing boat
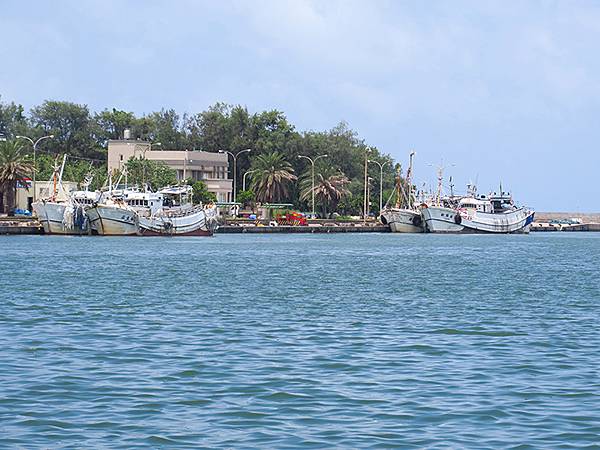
<point>62,212</point>
<point>495,213</point>
<point>113,217</point>
<point>178,216</point>
<point>405,216</point>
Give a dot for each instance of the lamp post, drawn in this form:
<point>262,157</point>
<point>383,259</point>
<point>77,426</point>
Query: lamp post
<point>34,144</point>
<point>365,201</point>
<point>244,179</point>
<point>234,156</point>
<point>185,158</point>
<point>312,162</point>
<point>369,179</point>
<point>380,181</point>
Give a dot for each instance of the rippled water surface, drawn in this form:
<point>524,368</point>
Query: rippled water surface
<point>300,341</point>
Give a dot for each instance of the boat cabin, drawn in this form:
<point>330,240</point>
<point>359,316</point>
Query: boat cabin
<point>152,201</point>
<point>85,198</point>
<point>176,196</point>
<point>502,202</point>
<point>481,204</point>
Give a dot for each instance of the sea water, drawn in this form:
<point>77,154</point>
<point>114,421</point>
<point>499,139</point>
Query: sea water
<point>300,341</point>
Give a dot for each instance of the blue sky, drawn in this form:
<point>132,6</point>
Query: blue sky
<point>500,91</point>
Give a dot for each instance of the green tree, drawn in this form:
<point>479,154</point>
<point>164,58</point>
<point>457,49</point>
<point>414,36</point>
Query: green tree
<point>163,126</point>
<point>14,167</point>
<point>156,174</point>
<point>272,178</point>
<point>331,186</point>
<point>201,193</point>
<point>209,130</point>
<point>12,120</point>
<point>246,198</point>
<point>71,126</point>
<point>111,124</point>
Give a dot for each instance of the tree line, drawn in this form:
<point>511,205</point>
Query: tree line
<point>83,135</point>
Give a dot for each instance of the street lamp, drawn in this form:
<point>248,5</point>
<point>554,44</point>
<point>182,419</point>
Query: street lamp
<point>34,144</point>
<point>369,180</point>
<point>244,179</point>
<point>312,162</point>
<point>380,181</point>
<point>366,193</point>
<point>234,156</point>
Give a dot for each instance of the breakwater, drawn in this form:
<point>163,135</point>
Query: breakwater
<point>558,227</point>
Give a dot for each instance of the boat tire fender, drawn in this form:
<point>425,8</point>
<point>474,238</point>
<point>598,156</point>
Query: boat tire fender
<point>457,219</point>
<point>416,221</point>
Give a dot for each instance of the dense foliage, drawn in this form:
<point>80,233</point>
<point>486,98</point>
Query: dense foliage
<point>84,134</point>
<point>14,167</point>
<point>154,174</point>
<point>201,194</point>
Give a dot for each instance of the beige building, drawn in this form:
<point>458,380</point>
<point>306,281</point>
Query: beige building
<point>212,168</point>
<point>24,197</point>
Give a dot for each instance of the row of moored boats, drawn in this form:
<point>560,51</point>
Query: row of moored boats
<point>122,211</point>
<point>438,213</point>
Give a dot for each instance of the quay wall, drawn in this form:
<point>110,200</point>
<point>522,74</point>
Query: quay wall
<point>228,229</point>
<point>585,217</point>
<point>21,229</point>
<point>20,225</point>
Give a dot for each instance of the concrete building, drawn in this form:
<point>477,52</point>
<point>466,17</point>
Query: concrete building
<point>212,168</point>
<point>24,197</point>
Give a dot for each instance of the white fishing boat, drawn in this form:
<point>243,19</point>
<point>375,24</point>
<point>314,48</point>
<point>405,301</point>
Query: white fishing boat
<point>405,216</point>
<point>495,213</point>
<point>113,218</point>
<point>62,212</point>
<point>178,216</point>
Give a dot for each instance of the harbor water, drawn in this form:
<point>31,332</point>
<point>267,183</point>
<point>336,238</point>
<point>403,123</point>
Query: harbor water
<point>300,341</point>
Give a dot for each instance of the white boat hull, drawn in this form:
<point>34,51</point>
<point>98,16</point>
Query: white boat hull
<point>191,222</point>
<point>108,220</point>
<point>447,220</point>
<point>402,220</point>
<point>54,220</point>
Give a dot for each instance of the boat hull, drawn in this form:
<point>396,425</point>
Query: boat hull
<point>109,220</point>
<point>54,221</point>
<point>193,222</point>
<point>403,220</point>
<point>447,220</point>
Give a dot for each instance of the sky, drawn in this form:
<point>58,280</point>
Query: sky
<point>495,91</point>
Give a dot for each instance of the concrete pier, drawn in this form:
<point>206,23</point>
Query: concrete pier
<point>16,225</point>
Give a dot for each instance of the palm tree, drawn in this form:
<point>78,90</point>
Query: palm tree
<point>330,188</point>
<point>13,168</point>
<point>271,180</point>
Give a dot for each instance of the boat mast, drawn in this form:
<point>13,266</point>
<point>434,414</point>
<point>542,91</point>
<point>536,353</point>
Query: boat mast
<point>409,201</point>
<point>398,186</point>
<point>88,179</point>
<point>439,188</point>
<point>59,181</point>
